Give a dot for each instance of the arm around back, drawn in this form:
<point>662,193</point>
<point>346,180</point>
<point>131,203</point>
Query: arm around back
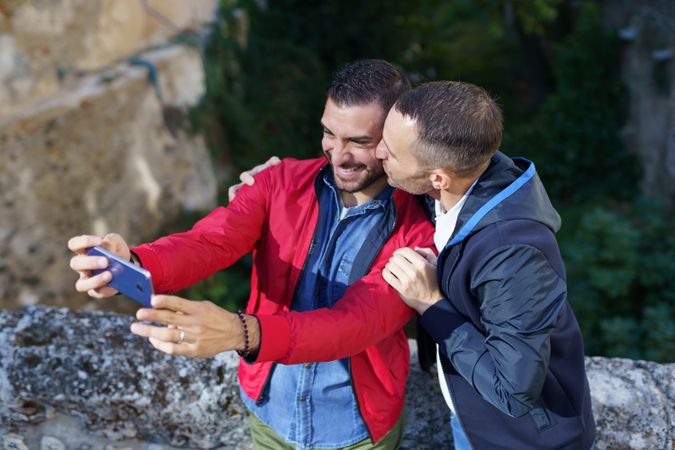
<point>369,311</point>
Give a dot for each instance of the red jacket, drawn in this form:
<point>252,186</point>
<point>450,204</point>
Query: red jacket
<point>276,218</point>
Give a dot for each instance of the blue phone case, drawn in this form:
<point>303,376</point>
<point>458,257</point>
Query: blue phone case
<point>127,278</point>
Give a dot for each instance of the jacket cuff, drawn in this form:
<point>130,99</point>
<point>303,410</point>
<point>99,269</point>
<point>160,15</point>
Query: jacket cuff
<point>150,262</point>
<point>275,337</point>
<point>441,319</point>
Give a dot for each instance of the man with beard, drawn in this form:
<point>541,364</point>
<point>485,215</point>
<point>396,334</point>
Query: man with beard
<point>321,235</point>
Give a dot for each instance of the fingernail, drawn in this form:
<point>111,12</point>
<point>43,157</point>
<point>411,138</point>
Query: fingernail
<point>107,276</point>
<point>102,262</point>
<point>135,327</point>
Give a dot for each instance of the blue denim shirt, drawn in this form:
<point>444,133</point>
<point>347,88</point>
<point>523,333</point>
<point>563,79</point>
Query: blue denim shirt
<point>313,405</point>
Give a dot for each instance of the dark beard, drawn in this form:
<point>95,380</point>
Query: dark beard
<point>371,177</point>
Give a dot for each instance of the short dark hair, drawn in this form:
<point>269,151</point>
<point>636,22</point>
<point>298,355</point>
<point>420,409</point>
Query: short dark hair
<point>367,80</point>
<point>459,126</point>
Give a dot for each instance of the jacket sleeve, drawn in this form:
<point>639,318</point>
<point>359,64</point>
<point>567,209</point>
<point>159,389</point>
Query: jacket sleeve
<point>520,296</point>
<point>369,311</point>
<point>214,243</point>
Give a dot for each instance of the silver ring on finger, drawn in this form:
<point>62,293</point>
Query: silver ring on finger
<point>181,337</point>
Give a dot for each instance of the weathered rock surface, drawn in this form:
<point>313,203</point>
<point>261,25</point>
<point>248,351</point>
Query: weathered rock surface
<point>633,402</point>
<point>46,46</point>
<point>80,380</point>
<point>88,366</point>
<point>110,154</point>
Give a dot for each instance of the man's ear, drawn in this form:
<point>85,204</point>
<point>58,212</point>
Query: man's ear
<point>440,179</point>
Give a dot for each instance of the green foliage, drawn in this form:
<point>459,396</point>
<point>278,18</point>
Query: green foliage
<point>251,109</point>
<point>574,137</point>
<point>659,326</point>
<point>621,337</point>
<point>228,288</point>
<point>620,264</point>
<point>458,41</point>
<point>533,15</point>
<point>268,65</point>
<point>606,244</point>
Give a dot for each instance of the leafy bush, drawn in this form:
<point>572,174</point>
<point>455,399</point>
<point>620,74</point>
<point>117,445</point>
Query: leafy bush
<point>268,65</point>
<point>227,288</point>
<point>574,137</point>
<point>620,265</point>
<point>659,326</point>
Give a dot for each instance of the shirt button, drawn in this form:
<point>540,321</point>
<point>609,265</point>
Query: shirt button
<point>308,366</point>
<point>301,398</point>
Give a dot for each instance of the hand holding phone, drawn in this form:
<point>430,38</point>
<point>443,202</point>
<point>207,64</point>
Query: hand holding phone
<point>127,278</point>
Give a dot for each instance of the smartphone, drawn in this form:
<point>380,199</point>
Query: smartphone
<point>127,278</point>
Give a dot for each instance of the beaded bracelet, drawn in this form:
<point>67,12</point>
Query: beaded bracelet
<point>243,353</point>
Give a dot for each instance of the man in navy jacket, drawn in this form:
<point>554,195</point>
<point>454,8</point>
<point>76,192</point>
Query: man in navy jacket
<point>509,348</point>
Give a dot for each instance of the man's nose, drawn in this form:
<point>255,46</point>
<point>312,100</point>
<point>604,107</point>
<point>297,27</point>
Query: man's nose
<point>380,150</point>
<point>340,152</point>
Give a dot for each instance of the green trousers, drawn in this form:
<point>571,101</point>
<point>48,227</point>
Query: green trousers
<point>264,438</point>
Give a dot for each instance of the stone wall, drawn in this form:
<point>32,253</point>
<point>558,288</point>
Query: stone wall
<point>89,141</point>
<point>47,45</point>
<point>81,380</point>
<point>647,31</point>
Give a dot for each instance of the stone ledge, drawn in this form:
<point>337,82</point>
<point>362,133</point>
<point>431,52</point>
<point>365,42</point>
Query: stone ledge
<point>81,380</point>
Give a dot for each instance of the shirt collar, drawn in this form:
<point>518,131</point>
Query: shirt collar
<point>381,200</point>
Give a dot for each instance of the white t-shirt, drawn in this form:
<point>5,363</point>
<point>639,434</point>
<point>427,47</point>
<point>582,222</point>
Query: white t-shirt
<point>343,212</point>
<point>445,226</point>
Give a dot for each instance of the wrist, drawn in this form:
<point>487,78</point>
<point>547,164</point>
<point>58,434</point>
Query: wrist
<point>422,307</point>
<point>248,336</point>
<point>133,259</point>
<point>253,332</point>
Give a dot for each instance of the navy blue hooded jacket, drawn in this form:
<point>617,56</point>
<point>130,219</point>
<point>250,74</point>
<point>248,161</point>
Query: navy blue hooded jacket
<point>511,348</point>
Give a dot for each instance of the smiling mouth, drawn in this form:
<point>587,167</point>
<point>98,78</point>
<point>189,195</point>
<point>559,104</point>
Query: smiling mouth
<point>349,172</point>
<point>351,169</point>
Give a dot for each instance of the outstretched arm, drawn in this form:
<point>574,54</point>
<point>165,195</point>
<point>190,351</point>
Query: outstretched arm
<point>214,243</point>
<point>369,311</point>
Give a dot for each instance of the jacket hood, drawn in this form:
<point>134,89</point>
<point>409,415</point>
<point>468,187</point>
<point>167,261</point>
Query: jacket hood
<point>509,189</point>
